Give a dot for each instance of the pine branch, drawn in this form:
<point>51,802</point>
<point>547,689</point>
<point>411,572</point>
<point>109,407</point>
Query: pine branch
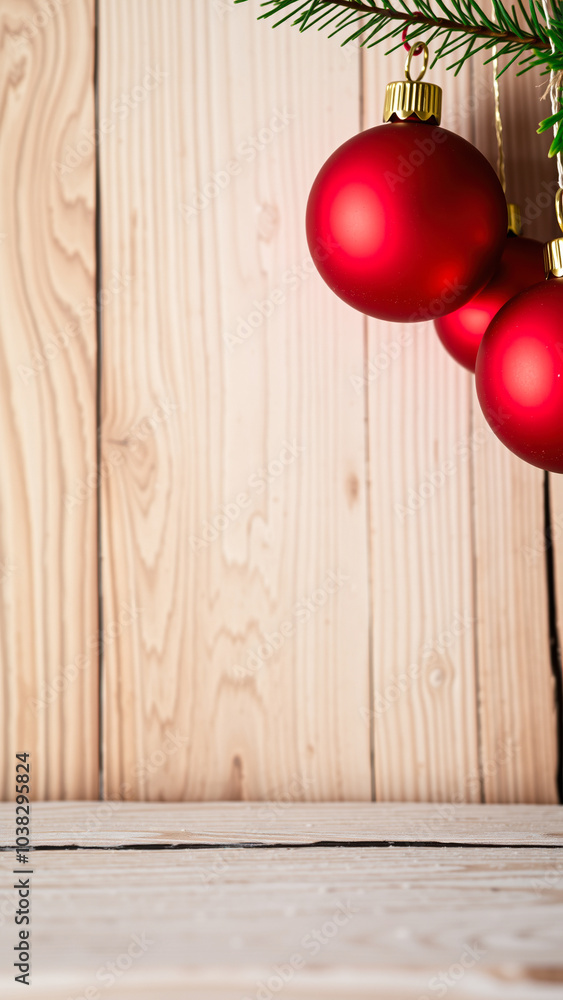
<point>523,36</point>
<point>497,36</point>
<point>520,33</point>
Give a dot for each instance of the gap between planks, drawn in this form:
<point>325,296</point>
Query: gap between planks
<point>277,845</point>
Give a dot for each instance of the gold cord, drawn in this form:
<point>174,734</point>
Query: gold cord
<point>498,122</point>
<point>559,208</point>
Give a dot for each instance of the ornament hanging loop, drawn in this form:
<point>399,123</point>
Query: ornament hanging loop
<point>415,49</point>
<point>559,208</point>
<point>407,47</point>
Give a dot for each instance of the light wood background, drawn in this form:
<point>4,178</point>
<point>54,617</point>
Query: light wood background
<point>226,368</point>
<point>48,571</point>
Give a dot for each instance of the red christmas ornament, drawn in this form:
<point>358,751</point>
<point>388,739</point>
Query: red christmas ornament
<point>519,375</point>
<point>521,266</point>
<point>407,221</point>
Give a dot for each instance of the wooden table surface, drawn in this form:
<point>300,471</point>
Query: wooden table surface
<point>251,901</point>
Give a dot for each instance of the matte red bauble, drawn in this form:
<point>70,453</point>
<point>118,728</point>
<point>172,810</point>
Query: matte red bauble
<point>519,375</point>
<point>407,221</point>
<point>521,266</point>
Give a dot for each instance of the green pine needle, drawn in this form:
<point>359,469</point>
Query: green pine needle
<point>521,30</point>
<point>550,122</point>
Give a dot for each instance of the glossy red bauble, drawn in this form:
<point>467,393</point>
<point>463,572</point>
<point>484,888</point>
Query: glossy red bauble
<point>406,221</point>
<point>519,375</point>
<point>521,266</point>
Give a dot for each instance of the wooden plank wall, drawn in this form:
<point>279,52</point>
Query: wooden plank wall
<point>517,693</point>
<point>242,515</point>
<point>48,549</point>
<point>265,594</point>
<point>421,536</point>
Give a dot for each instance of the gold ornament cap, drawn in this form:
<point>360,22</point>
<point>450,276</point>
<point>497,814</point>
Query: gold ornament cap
<point>553,258</point>
<point>404,98</point>
<point>553,251</point>
<point>514,219</point>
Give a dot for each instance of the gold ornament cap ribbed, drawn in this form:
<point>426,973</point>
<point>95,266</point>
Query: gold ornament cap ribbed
<point>413,97</point>
<point>553,258</point>
<point>514,219</point>
<point>553,251</point>
<point>404,98</point>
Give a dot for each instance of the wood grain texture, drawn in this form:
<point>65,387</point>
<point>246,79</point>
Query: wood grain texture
<point>204,185</point>
<point>538,552</point>
<point>48,572</point>
<point>384,984</point>
<point>377,984</point>
<point>516,689</point>
<point>425,727</point>
<point>221,920</point>
<point>115,823</point>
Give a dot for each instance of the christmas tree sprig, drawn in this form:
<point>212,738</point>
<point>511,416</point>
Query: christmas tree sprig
<point>461,27</point>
